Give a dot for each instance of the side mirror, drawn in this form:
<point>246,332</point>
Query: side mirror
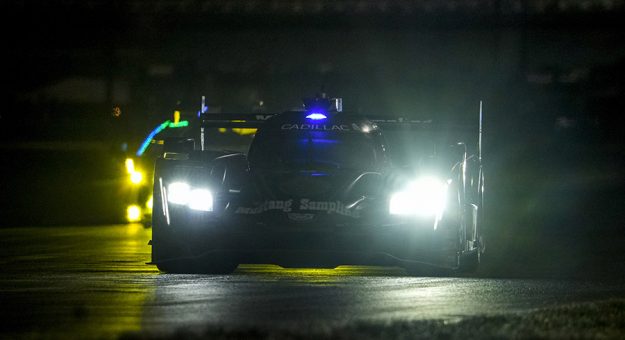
<point>178,145</point>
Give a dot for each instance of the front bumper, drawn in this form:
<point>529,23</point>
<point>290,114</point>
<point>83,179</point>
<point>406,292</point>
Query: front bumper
<point>311,246</point>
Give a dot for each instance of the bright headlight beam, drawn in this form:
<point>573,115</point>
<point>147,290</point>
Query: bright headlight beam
<point>425,197</point>
<point>130,165</point>
<point>136,177</point>
<point>195,198</point>
<point>201,199</point>
<point>133,213</point>
<point>401,204</point>
<point>178,193</point>
<point>149,203</point>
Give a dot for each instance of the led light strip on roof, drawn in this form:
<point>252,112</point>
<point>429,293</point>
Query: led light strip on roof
<point>166,124</point>
<point>149,138</point>
<point>181,123</point>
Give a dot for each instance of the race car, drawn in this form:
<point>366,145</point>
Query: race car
<point>138,167</point>
<point>319,187</point>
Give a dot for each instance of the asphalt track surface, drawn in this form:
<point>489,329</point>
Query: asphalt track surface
<point>92,282</point>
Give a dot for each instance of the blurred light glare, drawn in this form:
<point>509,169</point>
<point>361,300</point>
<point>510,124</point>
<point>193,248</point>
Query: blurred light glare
<point>130,165</point>
<point>136,177</point>
<point>316,116</point>
<point>201,199</point>
<point>133,213</point>
<point>197,199</point>
<point>400,204</point>
<point>178,193</point>
<point>425,197</point>
<point>149,203</point>
<point>244,131</point>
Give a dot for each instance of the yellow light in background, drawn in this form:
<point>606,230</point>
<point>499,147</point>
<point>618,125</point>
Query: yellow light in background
<point>136,177</point>
<point>244,131</point>
<point>149,203</point>
<point>176,116</point>
<point>239,131</point>
<point>320,276</point>
<point>130,165</point>
<point>133,213</point>
<point>134,229</point>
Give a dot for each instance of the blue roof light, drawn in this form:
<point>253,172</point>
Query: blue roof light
<point>316,116</point>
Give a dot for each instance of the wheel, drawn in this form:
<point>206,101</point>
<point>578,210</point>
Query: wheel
<point>173,257</point>
<point>170,256</point>
<point>469,262</point>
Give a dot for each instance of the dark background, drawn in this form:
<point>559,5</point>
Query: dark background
<point>551,75</point>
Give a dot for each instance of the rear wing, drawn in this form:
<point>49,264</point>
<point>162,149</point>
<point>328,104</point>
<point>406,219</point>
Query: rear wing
<point>235,120</point>
<point>256,120</point>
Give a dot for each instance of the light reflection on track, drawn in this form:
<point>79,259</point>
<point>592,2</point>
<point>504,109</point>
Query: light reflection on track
<point>93,282</point>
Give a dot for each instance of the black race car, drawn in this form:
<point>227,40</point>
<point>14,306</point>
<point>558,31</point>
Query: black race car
<point>320,188</point>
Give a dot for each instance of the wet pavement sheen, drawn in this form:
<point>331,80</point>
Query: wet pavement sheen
<point>93,281</point>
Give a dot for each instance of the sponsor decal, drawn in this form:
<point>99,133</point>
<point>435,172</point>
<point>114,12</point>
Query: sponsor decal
<point>335,207</point>
<point>303,205</point>
<point>266,206</point>
<point>316,127</point>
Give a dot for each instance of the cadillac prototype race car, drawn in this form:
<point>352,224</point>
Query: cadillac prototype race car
<point>320,188</point>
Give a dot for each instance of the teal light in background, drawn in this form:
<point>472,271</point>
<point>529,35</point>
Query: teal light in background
<point>154,132</point>
<point>181,123</point>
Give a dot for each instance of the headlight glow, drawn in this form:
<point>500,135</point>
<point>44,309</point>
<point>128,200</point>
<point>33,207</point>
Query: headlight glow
<point>195,198</point>
<point>178,193</point>
<point>201,199</point>
<point>425,197</point>
<point>136,177</point>
<point>133,213</point>
<point>130,165</point>
<point>149,203</point>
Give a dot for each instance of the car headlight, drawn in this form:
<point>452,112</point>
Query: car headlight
<point>195,198</point>
<point>201,199</point>
<point>178,193</point>
<point>136,177</point>
<point>133,213</point>
<point>425,197</point>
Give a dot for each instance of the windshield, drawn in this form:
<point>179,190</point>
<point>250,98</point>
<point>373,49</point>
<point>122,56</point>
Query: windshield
<point>313,150</point>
